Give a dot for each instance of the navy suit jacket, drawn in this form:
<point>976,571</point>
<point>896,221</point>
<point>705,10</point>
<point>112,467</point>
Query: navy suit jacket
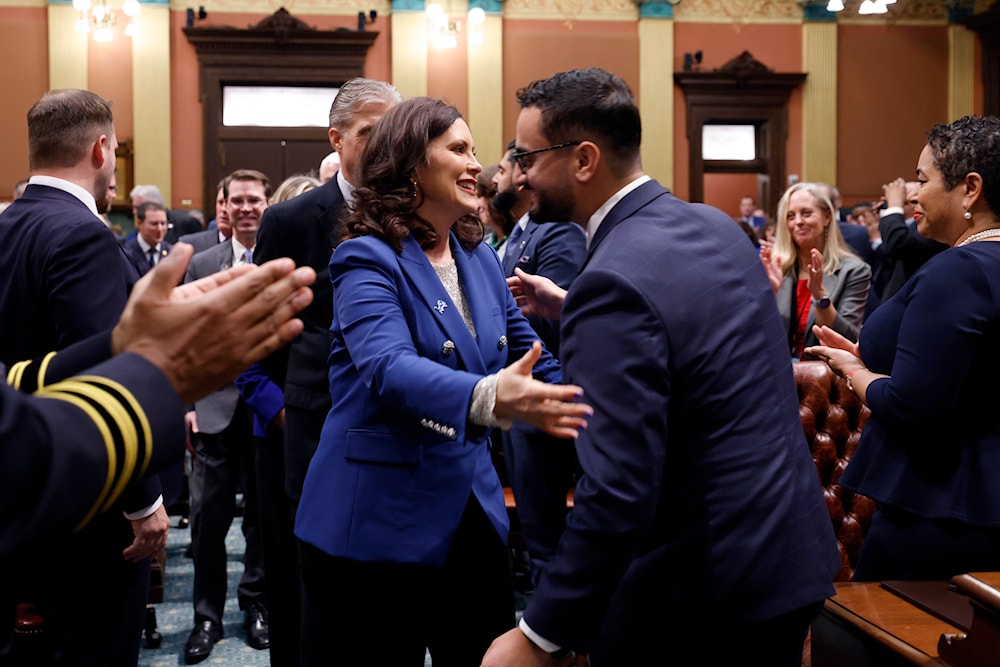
<point>54,455</point>
<point>904,250</point>
<point>66,279</point>
<point>858,240</point>
<point>699,507</point>
<point>306,228</point>
<point>398,457</point>
<point>555,251</point>
<point>138,258</point>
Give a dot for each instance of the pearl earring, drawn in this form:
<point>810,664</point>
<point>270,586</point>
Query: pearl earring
<point>967,215</point>
<point>414,187</point>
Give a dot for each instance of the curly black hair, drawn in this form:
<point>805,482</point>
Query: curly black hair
<point>970,144</point>
<point>386,200</point>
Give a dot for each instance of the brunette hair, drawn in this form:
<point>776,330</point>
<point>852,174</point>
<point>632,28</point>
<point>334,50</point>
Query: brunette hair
<point>386,200</point>
<point>970,144</point>
<point>63,125</point>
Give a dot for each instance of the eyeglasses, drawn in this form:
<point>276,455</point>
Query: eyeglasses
<point>525,159</point>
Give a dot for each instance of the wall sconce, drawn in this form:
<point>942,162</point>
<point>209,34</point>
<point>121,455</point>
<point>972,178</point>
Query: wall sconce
<point>867,7</point>
<point>366,20</point>
<point>103,18</point>
<point>442,30</point>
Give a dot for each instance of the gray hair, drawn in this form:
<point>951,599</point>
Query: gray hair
<point>357,93</point>
<point>147,193</point>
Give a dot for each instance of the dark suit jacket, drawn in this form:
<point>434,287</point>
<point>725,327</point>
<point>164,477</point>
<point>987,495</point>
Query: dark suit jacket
<point>66,279</point>
<point>699,507</point>
<point>53,462</point>
<point>904,250</point>
<point>857,239</point>
<point>399,458</point>
<point>179,224</point>
<point>305,228</point>
<point>216,410</point>
<point>201,240</point>
<point>138,258</point>
<point>555,251</point>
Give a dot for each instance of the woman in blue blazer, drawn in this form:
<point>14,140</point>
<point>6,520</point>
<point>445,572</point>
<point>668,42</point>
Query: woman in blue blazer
<point>402,519</point>
<point>927,366</point>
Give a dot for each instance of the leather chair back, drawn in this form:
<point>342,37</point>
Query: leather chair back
<point>832,418</point>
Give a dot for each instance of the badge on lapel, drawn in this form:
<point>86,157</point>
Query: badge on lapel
<point>440,306</point>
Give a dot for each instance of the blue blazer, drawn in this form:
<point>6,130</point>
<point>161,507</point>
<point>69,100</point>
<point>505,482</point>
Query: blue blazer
<point>398,458</point>
<point>699,507</point>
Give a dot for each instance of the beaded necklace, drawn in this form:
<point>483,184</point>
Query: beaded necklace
<point>980,236</point>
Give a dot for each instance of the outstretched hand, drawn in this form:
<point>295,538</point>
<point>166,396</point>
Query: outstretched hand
<point>536,295</point>
<point>203,334</point>
<point>554,408</point>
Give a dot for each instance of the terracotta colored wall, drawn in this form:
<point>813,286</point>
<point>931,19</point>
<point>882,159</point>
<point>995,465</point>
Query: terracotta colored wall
<point>24,52</point>
<point>779,47</point>
<point>537,49</point>
<point>893,84</point>
<point>448,75</point>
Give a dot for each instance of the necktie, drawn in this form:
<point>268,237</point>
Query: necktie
<point>248,256</point>
<point>152,257</point>
<point>513,250</point>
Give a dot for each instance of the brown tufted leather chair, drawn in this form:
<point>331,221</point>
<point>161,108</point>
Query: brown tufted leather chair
<point>832,418</point>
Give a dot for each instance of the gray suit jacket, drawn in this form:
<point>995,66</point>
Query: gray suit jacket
<point>201,240</point>
<point>216,410</point>
<point>848,289</point>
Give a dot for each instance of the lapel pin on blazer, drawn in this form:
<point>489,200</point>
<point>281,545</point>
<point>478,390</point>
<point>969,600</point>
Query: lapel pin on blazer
<point>524,259</point>
<point>440,306</point>
<point>502,343</point>
<point>447,348</point>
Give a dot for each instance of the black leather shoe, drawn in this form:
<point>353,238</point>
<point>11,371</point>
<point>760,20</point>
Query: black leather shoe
<point>201,640</point>
<point>255,623</point>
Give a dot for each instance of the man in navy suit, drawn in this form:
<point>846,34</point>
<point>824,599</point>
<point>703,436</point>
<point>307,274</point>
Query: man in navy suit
<point>541,468</point>
<point>699,518</point>
<point>67,279</point>
<point>904,249</point>
<point>306,228</point>
<point>147,247</point>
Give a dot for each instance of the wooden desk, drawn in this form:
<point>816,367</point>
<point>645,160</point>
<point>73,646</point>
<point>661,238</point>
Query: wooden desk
<point>865,625</point>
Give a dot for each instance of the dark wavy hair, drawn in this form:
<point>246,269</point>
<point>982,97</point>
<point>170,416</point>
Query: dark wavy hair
<point>386,200</point>
<point>970,144</point>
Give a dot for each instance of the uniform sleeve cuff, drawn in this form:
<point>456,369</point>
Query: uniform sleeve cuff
<point>143,513</point>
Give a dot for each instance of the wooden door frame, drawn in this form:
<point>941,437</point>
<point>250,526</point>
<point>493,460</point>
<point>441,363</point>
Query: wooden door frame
<point>280,50</point>
<point>743,91</point>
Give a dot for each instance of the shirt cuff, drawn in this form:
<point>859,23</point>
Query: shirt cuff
<point>889,211</point>
<point>143,513</point>
<point>536,639</point>
<point>484,401</point>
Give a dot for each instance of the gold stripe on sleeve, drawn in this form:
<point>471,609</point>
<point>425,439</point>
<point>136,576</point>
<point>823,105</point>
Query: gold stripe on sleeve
<point>43,367</point>
<point>102,426</point>
<point>145,430</point>
<point>15,373</point>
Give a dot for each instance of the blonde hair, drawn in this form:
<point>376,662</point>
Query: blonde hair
<point>834,247</point>
<point>293,186</point>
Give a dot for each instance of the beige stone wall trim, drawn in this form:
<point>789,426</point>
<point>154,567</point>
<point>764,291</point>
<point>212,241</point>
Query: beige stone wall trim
<point>656,98</point>
<point>409,53</point>
<point>67,50</point>
<point>819,104</point>
<point>151,100</point>
<point>961,71</point>
<point>294,7</point>
<point>486,90</point>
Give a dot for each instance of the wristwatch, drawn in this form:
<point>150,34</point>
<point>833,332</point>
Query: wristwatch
<point>823,302</point>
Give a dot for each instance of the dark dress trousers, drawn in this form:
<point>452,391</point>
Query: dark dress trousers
<point>224,456</point>
<point>699,512</point>
<point>68,279</point>
<point>542,468</point>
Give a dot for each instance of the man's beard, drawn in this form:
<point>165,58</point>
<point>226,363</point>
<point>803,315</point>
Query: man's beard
<point>505,200</point>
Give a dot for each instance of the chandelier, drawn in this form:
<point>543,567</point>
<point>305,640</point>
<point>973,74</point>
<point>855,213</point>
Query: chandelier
<point>102,17</point>
<point>867,7</point>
